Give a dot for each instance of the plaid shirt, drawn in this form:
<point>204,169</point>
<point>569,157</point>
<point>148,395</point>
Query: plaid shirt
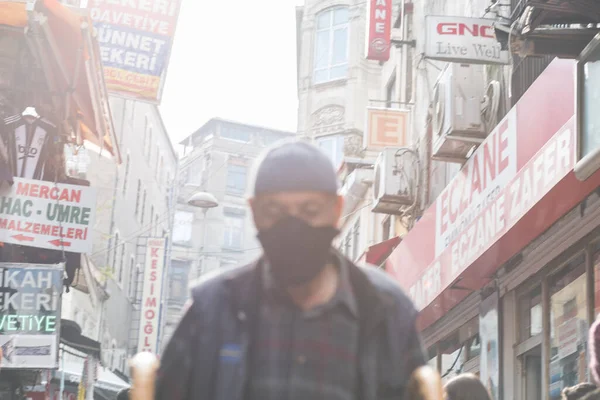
<point>302,355</point>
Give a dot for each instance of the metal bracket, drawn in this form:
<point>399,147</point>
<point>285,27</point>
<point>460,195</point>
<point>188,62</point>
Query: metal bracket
<point>398,43</point>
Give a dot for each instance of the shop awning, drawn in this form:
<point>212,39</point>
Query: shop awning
<point>70,335</point>
<point>378,253</point>
<point>528,184</point>
<point>61,40</point>
<point>107,380</point>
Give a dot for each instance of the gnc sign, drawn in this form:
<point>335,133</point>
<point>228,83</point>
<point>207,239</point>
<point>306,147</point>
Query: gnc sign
<point>460,39</point>
<point>462,29</point>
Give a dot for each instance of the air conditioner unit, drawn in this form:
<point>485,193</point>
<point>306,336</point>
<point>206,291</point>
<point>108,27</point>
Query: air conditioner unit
<point>394,183</point>
<point>457,124</point>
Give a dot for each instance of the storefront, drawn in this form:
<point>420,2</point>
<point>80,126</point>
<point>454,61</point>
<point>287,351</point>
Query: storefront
<point>502,266</point>
<point>52,98</point>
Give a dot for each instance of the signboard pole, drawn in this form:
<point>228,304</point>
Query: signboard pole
<point>62,375</point>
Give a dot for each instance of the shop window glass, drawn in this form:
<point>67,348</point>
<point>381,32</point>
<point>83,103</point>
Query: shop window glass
<point>474,347</point>
<point>452,364</point>
<point>531,314</point>
<point>568,327</point>
<point>596,260</point>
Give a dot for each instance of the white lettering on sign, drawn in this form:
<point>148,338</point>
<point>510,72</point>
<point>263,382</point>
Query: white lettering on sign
<point>163,7</point>
<point>495,217</point>
<point>480,181</point>
<point>460,39</point>
<point>151,295</point>
<point>379,30</point>
<point>30,305</point>
<point>426,289</point>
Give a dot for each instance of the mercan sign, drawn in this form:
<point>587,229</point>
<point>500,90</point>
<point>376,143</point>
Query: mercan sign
<point>461,39</point>
<point>30,305</point>
<point>48,215</point>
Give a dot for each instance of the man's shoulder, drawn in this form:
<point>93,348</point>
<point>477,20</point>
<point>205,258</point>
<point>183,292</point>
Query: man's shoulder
<point>388,287</point>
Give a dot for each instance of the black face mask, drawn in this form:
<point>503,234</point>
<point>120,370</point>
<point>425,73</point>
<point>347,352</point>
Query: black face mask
<point>296,251</point>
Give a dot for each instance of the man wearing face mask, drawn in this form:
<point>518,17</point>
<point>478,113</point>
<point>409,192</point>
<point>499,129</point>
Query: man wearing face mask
<point>302,322</point>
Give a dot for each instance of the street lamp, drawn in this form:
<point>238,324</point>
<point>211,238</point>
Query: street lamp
<point>203,200</point>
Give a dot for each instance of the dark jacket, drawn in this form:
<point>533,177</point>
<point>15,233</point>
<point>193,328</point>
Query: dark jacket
<point>208,353</point>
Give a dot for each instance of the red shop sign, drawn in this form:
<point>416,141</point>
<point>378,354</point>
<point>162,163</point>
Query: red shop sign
<point>380,30</point>
<point>499,201</point>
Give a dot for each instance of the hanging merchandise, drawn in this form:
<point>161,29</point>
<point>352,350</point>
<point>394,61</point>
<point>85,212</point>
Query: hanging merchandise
<point>29,139</point>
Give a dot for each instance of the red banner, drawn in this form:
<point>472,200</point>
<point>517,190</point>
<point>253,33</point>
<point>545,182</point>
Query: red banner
<point>380,30</point>
<point>514,187</point>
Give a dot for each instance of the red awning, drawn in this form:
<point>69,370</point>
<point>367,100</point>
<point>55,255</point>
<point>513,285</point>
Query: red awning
<point>71,58</point>
<point>378,253</point>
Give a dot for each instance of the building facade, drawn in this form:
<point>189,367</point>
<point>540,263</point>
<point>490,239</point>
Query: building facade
<point>336,85</point>
<point>485,211</point>
<point>218,160</point>
<point>133,205</point>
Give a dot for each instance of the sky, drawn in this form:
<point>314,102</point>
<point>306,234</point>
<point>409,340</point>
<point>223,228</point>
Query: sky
<point>233,59</point>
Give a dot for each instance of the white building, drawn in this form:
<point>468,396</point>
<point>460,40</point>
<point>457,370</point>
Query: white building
<point>218,159</point>
<point>336,85</point>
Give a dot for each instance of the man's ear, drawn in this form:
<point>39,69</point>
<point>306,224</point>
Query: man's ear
<point>251,204</point>
<point>339,208</point>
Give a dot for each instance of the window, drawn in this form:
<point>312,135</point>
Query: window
<point>234,231</point>
<point>149,150</point>
<point>146,130</point>
<point>194,170</point>
<point>137,197</point>
<point>156,224</point>
<point>115,252</point>
<point>531,314</point>
<point>387,225</point>
<point>333,146</point>
<point>126,176</point>
<point>409,74</point>
<point>159,171</point>
<point>132,276</point>
<point>236,179</point>
<point>143,208</point>
<point>568,318</point>
<point>347,244</point>
<point>410,51</point>
<point>121,262</point>
<point>182,227</point>
<point>152,226</point>
<point>236,133</point>
<point>178,282</point>
<point>331,45</point>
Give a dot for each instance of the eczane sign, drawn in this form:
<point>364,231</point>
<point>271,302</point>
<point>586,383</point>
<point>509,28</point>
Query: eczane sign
<point>379,29</point>
<point>461,39</point>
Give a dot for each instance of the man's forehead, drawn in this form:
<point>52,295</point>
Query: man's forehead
<point>293,198</point>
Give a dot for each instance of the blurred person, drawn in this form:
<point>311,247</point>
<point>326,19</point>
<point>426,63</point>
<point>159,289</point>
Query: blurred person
<point>466,387</point>
<point>578,392</point>
<point>595,395</point>
<point>594,350</point>
<point>303,321</point>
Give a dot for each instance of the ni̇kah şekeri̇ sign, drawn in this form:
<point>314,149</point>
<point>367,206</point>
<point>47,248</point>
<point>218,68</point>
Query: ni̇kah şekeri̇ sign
<point>30,305</point>
<point>48,215</point>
